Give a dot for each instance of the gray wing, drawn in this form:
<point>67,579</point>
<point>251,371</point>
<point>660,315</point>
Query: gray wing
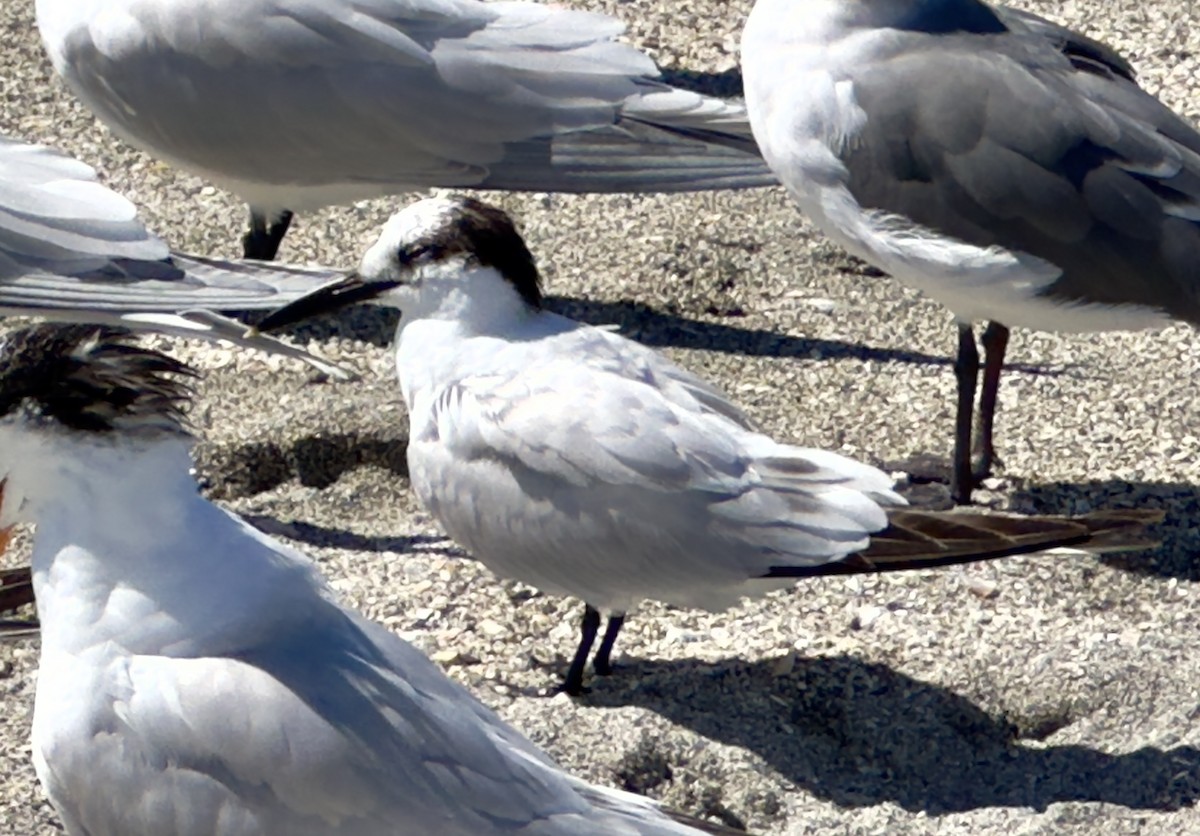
<point>591,439</point>
<point>55,217</point>
<point>72,250</point>
<point>382,95</point>
<point>1085,53</point>
<point>68,243</point>
<point>1037,140</point>
<point>176,283</point>
<point>330,725</point>
<point>605,351</point>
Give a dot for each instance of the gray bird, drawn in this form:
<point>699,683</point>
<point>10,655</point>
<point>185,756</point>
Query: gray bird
<point>1006,166</point>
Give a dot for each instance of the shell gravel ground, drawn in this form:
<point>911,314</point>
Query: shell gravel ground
<point>1052,695</point>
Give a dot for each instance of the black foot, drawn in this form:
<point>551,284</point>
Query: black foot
<point>960,493</point>
<point>985,468</point>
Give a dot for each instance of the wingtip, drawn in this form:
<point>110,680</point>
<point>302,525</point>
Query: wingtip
<point>917,539</point>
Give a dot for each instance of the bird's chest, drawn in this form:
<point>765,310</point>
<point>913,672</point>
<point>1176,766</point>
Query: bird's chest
<point>77,724</point>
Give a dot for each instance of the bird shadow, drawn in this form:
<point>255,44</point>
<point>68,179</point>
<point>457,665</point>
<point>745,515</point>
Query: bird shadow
<point>340,538</point>
<point>237,471</point>
<point>1175,557</point>
<point>659,329</point>
<point>726,84</point>
<point>861,734</point>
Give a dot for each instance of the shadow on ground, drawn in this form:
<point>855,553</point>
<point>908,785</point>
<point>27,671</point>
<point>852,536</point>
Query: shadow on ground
<point>658,329</point>
<point>1179,554</point>
<point>340,538</point>
<point>861,734</point>
<point>726,84</point>
<point>229,471</point>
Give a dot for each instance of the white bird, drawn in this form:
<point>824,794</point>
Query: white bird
<point>72,250</point>
<point>1008,167</point>
<point>586,464</point>
<point>296,104</point>
<point>198,678</point>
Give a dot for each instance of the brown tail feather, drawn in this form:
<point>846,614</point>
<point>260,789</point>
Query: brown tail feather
<point>16,588</point>
<point>927,539</point>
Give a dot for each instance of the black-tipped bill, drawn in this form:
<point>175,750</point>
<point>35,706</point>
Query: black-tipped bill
<point>325,299</point>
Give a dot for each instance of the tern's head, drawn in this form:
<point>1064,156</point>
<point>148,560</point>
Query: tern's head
<point>437,255</point>
<point>65,389</point>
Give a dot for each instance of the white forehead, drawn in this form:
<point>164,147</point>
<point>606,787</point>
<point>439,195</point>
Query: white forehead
<point>420,220</point>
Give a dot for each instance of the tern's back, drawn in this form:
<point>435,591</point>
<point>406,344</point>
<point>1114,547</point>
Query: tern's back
<point>296,105</point>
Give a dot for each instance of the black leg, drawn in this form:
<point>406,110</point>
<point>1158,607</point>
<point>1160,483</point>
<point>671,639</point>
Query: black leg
<point>263,239</point>
<point>995,343</point>
<point>602,664</point>
<point>966,369</point>
<point>587,637</point>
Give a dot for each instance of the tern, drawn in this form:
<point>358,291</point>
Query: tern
<point>1006,166</point>
<point>297,105</point>
<point>197,677</point>
<point>585,464</point>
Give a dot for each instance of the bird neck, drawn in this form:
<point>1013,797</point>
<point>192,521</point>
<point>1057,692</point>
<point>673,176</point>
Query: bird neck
<point>478,300</point>
<point>129,558</point>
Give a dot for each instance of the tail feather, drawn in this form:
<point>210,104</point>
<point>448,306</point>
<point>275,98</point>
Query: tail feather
<point>928,539</point>
<point>663,139</point>
<point>16,591</point>
<point>16,588</point>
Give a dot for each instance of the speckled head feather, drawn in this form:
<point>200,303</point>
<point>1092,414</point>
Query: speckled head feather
<point>460,226</point>
<point>91,378</point>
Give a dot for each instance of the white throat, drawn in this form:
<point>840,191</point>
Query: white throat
<point>478,299</point>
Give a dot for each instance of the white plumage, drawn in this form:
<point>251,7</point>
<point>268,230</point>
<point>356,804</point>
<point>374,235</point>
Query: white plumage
<point>585,464</point>
<point>198,678</point>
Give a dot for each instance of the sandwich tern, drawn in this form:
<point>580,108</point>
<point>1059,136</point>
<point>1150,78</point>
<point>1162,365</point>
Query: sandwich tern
<point>586,464</point>
<point>297,105</point>
<point>197,677</point>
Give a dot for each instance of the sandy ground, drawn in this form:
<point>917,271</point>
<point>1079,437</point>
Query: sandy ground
<point>1066,702</point>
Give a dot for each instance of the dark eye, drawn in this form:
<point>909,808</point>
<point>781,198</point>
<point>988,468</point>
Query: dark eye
<point>416,253</point>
